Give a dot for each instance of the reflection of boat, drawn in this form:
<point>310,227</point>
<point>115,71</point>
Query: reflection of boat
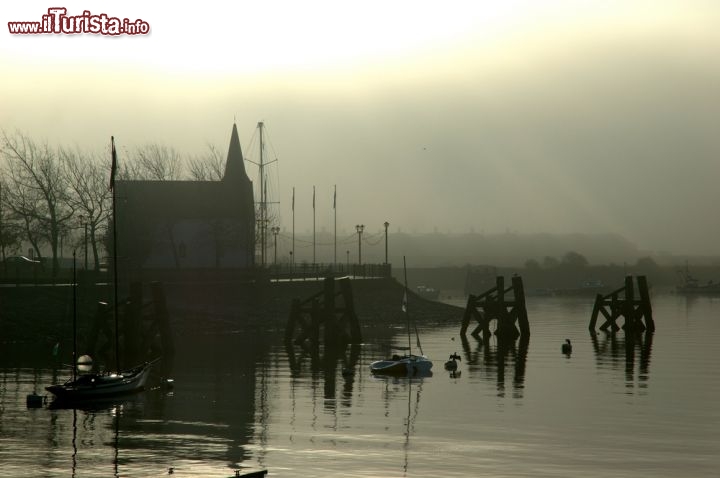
<point>691,285</point>
<point>93,386</point>
<point>427,292</point>
<point>408,364</point>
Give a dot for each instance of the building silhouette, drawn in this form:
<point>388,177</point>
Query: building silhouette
<point>187,226</point>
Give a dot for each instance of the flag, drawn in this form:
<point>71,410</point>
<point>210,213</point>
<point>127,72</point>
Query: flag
<point>404,302</point>
<point>113,166</point>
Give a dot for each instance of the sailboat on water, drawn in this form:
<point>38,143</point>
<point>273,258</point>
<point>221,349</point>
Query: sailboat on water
<point>106,385</point>
<point>409,363</point>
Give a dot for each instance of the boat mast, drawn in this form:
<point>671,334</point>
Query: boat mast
<point>115,268</point>
<point>405,308</point>
<point>263,196</point>
<point>74,355</point>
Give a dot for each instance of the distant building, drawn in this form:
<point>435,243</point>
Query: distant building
<point>187,225</point>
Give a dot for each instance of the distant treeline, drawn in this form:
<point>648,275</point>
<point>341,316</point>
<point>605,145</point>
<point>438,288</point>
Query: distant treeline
<point>560,278</point>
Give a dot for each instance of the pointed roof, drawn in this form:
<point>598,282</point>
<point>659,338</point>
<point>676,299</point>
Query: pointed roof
<point>235,165</point>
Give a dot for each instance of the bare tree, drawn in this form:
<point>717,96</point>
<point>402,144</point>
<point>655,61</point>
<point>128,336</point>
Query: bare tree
<point>36,190</point>
<point>10,232</point>
<point>153,162</point>
<point>89,194</point>
<point>207,167</point>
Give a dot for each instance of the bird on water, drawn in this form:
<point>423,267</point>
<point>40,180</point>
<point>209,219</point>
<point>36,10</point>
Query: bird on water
<point>567,347</point>
<point>452,364</point>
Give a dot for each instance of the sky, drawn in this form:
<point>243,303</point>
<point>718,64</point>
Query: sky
<point>585,116</point>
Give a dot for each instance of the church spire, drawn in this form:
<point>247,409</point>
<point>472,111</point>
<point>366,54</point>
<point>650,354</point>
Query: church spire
<point>235,165</point>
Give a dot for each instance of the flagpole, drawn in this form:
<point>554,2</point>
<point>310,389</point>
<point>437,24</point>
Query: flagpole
<point>292,261</point>
<point>335,212</point>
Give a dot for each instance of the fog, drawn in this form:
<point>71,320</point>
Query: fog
<point>541,118</point>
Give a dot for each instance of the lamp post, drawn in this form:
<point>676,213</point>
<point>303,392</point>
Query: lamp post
<point>359,228</point>
<point>386,224</point>
<point>275,231</point>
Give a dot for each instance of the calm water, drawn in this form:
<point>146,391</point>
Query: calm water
<point>241,401</point>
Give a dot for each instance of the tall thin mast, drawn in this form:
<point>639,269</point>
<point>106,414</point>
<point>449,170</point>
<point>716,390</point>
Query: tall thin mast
<point>335,212</point>
<point>405,308</point>
<point>263,197</point>
<point>292,262</point>
<point>74,355</point>
<point>115,255</point>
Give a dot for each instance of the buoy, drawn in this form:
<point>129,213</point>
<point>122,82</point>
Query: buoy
<point>567,347</point>
<point>34,400</point>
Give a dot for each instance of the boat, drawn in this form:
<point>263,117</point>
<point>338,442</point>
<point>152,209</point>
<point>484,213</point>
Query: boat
<point>90,386</point>
<point>692,286</point>
<point>408,363</point>
<point>428,293</point>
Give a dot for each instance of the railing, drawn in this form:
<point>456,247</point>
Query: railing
<point>308,271</point>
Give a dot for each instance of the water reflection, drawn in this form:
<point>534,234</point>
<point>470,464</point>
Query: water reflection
<point>495,355</point>
<point>327,362</point>
<point>618,349</point>
<point>392,391</point>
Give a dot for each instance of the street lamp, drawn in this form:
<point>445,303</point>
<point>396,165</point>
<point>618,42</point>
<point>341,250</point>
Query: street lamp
<point>359,228</point>
<point>386,224</point>
<point>275,231</point>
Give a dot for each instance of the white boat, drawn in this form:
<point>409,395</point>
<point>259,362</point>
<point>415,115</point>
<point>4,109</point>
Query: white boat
<point>402,365</point>
<point>407,364</point>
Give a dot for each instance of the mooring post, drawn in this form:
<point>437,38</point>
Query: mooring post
<point>330,332</point>
<point>354,323</point>
<point>628,307</point>
<point>468,314</point>
<point>520,308</point>
<point>645,300</point>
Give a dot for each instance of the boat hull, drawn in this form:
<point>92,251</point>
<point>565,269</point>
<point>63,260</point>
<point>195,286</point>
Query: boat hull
<point>407,365</point>
<point>97,386</point>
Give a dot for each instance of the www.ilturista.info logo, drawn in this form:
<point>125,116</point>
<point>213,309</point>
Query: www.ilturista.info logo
<point>58,22</point>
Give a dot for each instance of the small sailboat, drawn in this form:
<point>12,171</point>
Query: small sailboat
<point>409,363</point>
<point>95,386</point>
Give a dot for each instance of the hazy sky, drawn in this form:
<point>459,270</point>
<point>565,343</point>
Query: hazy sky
<point>532,116</point>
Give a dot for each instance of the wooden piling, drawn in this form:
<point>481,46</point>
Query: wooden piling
<point>632,309</point>
<point>493,305</point>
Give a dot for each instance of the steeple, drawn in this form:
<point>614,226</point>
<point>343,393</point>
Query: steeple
<point>235,165</point>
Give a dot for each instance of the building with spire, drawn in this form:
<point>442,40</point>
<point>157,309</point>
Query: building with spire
<point>187,226</point>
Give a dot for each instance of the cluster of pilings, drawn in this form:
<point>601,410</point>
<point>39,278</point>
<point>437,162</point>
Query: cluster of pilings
<point>337,319</point>
<point>637,312</point>
<point>144,328</point>
<point>495,304</point>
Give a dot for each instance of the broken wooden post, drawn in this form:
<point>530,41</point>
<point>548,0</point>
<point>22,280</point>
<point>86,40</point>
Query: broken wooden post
<point>632,309</point>
<point>493,305</point>
<point>340,323</point>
